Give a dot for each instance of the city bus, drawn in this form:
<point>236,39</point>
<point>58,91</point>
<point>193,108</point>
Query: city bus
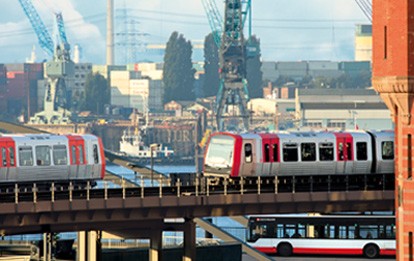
<point>285,235</point>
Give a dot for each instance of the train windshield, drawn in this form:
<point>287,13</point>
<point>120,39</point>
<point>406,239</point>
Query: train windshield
<point>220,151</point>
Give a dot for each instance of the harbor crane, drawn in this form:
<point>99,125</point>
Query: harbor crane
<point>58,70</point>
<point>231,101</point>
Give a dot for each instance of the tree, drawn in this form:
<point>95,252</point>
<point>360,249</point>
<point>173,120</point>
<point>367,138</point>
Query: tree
<point>178,73</point>
<point>211,61</point>
<point>253,67</point>
<point>97,93</point>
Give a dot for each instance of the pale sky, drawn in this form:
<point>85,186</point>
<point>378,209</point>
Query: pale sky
<point>289,30</point>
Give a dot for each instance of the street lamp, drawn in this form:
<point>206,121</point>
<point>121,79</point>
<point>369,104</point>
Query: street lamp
<point>152,147</point>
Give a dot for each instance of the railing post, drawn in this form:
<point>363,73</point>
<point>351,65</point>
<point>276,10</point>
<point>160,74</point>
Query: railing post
<point>311,184</point>
<point>70,191</point>
<point>258,185</point>
<point>16,193</point>
<point>241,185</point>
<point>142,187</point>
<point>106,190</point>
<point>160,182</point>
<point>53,191</point>
<point>123,188</point>
<point>383,182</point>
<point>347,182</point>
<point>276,184</point>
<point>365,183</point>
<point>178,187</point>
<point>225,186</point>
<point>293,184</point>
<point>196,186</point>
<point>88,185</point>
<point>34,190</point>
<point>208,186</point>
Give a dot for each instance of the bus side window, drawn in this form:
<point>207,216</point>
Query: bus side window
<point>248,154</point>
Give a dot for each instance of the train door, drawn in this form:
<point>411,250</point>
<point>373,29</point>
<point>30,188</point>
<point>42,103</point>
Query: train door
<point>248,158</point>
<point>266,157</point>
<point>344,153</point>
<point>275,156</point>
<point>7,159</point>
<point>77,157</point>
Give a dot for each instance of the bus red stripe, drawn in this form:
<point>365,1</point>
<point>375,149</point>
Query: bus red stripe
<point>267,250</point>
<point>328,251</point>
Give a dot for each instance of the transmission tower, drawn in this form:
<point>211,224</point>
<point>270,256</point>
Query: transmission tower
<point>130,41</point>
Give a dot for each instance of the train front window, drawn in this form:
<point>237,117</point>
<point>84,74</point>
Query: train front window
<point>25,156</point>
<point>60,155</point>
<point>11,153</point>
<point>4,156</point>
<point>95,154</point>
<point>220,151</point>
<point>42,155</point>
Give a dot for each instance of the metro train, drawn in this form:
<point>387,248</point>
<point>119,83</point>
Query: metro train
<point>299,153</point>
<point>45,158</point>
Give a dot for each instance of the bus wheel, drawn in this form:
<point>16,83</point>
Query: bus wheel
<point>371,251</point>
<point>284,249</point>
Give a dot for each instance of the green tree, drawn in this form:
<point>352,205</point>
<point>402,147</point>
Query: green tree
<point>253,68</point>
<point>211,67</point>
<point>178,73</point>
<point>97,93</point>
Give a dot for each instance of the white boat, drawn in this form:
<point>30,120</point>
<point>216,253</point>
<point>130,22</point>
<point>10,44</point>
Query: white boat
<point>131,145</point>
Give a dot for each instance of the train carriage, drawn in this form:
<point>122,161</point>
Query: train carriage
<point>299,153</point>
<point>45,158</point>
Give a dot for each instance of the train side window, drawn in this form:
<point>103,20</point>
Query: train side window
<point>387,150</point>
<point>73,154</point>
<point>275,154</point>
<point>25,156</point>
<point>95,154</point>
<point>11,153</point>
<point>81,159</point>
<point>290,152</point>
<point>267,153</point>
<point>361,151</point>
<point>326,151</point>
<point>60,155</point>
<point>248,154</point>
<point>42,155</point>
<point>308,151</point>
<point>4,156</point>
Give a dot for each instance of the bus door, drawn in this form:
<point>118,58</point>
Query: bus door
<point>77,157</point>
<point>7,159</point>
<point>248,158</point>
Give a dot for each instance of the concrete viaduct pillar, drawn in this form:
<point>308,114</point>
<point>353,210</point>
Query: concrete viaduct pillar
<point>89,246</point>
<point>393,78</point>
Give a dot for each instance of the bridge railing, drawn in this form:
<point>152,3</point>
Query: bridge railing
<point>202,186</point>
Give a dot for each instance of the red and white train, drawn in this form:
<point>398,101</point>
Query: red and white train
<point>299,153</point>
<point>46,158</point>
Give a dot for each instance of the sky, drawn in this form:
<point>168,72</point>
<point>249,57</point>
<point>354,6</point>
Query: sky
<point>289,30</point>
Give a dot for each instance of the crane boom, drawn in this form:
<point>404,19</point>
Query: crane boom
<point>45,41</point>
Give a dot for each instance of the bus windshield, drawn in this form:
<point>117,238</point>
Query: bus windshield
<point>220,151</point>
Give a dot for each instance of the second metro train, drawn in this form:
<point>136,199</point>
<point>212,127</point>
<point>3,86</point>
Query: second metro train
<point>299,153</point>
<point>44,159</point>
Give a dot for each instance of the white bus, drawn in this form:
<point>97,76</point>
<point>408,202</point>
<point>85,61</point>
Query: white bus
<point>368,235</point>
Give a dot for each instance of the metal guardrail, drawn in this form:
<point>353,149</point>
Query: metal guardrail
<point>202,187</point>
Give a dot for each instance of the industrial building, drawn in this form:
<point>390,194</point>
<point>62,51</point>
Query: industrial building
<point>341,109</point>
